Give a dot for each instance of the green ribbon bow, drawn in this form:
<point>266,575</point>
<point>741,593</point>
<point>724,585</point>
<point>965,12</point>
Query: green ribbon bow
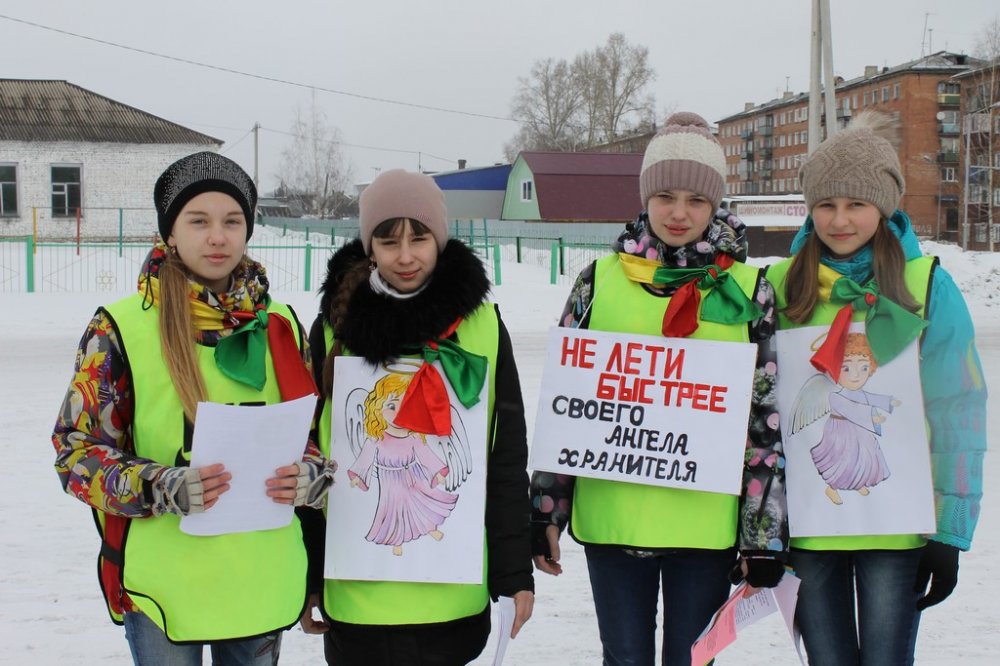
<point>241,354</point>
<point>889,327</point>
<point>725,303</point>
<point>466,372</point>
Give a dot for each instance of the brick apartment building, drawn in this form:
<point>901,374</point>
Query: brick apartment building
<point>765,144</point>
<point>979,156</point>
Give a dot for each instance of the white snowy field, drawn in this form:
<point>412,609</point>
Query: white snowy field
<point>52,612</point>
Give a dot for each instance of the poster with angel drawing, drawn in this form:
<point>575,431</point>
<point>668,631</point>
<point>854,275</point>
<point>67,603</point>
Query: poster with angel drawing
<point>856,450</point>
<point>407,505</point>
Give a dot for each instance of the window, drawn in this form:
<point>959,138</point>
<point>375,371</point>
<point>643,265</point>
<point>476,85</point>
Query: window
<point>65,190</point>
<point>895,91</point>
<point>948,174</point>
<point>885,93</point>
<point>996,202</point>
<point>526,190</point>
<point>854,101</point>
<point>8,190</point>
<point>781,141</point>
<point>948,117</point>
<point>867,95</point>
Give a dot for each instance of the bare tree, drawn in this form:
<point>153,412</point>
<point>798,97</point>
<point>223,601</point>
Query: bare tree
<point>624,74</point>
<point>572,107</point>
<point>587,76</point>
<point>312,170</point>
<point>546,104</point>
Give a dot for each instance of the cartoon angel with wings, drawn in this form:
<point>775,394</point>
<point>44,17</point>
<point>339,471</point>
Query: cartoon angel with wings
<point>848,455</point>
<point>417,473</point>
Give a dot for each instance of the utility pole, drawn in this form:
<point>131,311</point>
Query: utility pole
<point>256,158</point>
<point>821,69</point>
<point>967,126</point>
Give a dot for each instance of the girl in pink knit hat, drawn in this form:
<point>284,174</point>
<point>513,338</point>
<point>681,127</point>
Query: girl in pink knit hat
<point>403,290</point>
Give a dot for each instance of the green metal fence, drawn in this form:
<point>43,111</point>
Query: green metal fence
<point>295,259</point>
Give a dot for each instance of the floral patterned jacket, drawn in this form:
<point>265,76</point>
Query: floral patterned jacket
<point>763,521</point>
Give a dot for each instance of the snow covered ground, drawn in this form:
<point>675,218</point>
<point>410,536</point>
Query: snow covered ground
<point>51,610</point>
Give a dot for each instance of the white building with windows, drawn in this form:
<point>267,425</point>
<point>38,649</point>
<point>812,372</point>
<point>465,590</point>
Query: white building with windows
<point>71,158</point>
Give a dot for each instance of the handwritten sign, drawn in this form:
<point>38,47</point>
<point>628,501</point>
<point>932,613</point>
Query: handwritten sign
<point>644,409</point>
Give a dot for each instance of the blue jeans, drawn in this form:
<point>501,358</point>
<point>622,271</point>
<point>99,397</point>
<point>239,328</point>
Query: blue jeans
<point>883,632</point>
<point>626,589</point>
<point>150,647</point>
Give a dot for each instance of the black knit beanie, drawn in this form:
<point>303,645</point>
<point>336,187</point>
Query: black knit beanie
<point>196,174</point>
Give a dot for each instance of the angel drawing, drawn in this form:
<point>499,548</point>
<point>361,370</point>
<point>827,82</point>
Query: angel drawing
<point>417,474</point>
<point>848,455</point>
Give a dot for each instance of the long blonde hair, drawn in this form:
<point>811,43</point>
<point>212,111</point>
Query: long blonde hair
<point>888,263</point>
<point>394,384</point>
<point>177,335</point>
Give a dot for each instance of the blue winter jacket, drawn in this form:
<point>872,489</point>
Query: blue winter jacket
<point>953,386</point>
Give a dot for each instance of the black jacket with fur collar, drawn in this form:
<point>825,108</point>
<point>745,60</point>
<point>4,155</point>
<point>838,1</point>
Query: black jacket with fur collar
<point>377,327</point>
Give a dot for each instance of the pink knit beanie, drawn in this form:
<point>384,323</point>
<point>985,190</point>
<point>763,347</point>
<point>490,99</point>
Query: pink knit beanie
<point>399,193</point>
<point>684,156</point>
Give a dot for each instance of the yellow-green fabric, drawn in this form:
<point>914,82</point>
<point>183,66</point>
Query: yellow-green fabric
<point>638,515</point>
<point>201,588</point>
<point>918,280</point>
<point>399,603</point>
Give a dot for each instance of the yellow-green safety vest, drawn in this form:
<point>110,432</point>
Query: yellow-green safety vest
<point>917,275</point>
<point>644,516</point>
<point>399,603</point>
<point>201,588</point>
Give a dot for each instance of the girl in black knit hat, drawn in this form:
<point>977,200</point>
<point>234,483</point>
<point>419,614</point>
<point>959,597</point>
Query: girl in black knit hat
<point>201,327</point>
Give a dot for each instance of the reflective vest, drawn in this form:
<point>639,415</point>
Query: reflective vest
<point>644,516</point>
<point>918,275</point>
<point>398,603</point>
<point>200,588</point>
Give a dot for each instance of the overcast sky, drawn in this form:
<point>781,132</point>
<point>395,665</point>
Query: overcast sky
<point>465,55</point>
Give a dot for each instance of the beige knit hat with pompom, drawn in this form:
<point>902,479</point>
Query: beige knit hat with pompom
<point>858,162</point>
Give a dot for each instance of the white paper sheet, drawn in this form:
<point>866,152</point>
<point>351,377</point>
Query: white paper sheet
<point>505,612</point>
<point>251,442</point>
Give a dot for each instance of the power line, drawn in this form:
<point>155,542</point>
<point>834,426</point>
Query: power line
<point>355,145</point>
<point>236,143</point>
<point>251,75</point>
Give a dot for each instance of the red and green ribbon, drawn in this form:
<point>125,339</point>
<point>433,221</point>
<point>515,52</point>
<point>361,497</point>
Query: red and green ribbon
<point>426,407</point>
<point>725,302</point>
<point>889,327</point>
<point>241,354</point>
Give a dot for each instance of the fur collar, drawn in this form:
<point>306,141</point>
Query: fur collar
<point>376,327</point>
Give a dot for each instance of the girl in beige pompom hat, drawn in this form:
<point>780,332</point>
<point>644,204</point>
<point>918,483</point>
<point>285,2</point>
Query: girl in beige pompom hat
<point>857,258</point>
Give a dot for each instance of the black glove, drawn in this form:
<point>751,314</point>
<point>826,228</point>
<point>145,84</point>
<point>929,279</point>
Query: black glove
<point>939,567</point>
<point>761,571</point>
<point>539,541</point>
<point>764,571</point>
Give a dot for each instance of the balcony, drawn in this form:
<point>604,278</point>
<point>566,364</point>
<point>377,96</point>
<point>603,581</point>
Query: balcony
<point>945,157</point>
<point>765,151</point>
<point>843,113</point>
<point>747,154</point>
<point>746,134</point>
<point>949,99</point>
<point>766,174</point>
<point>765,130</point>
<point>949,129</point>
